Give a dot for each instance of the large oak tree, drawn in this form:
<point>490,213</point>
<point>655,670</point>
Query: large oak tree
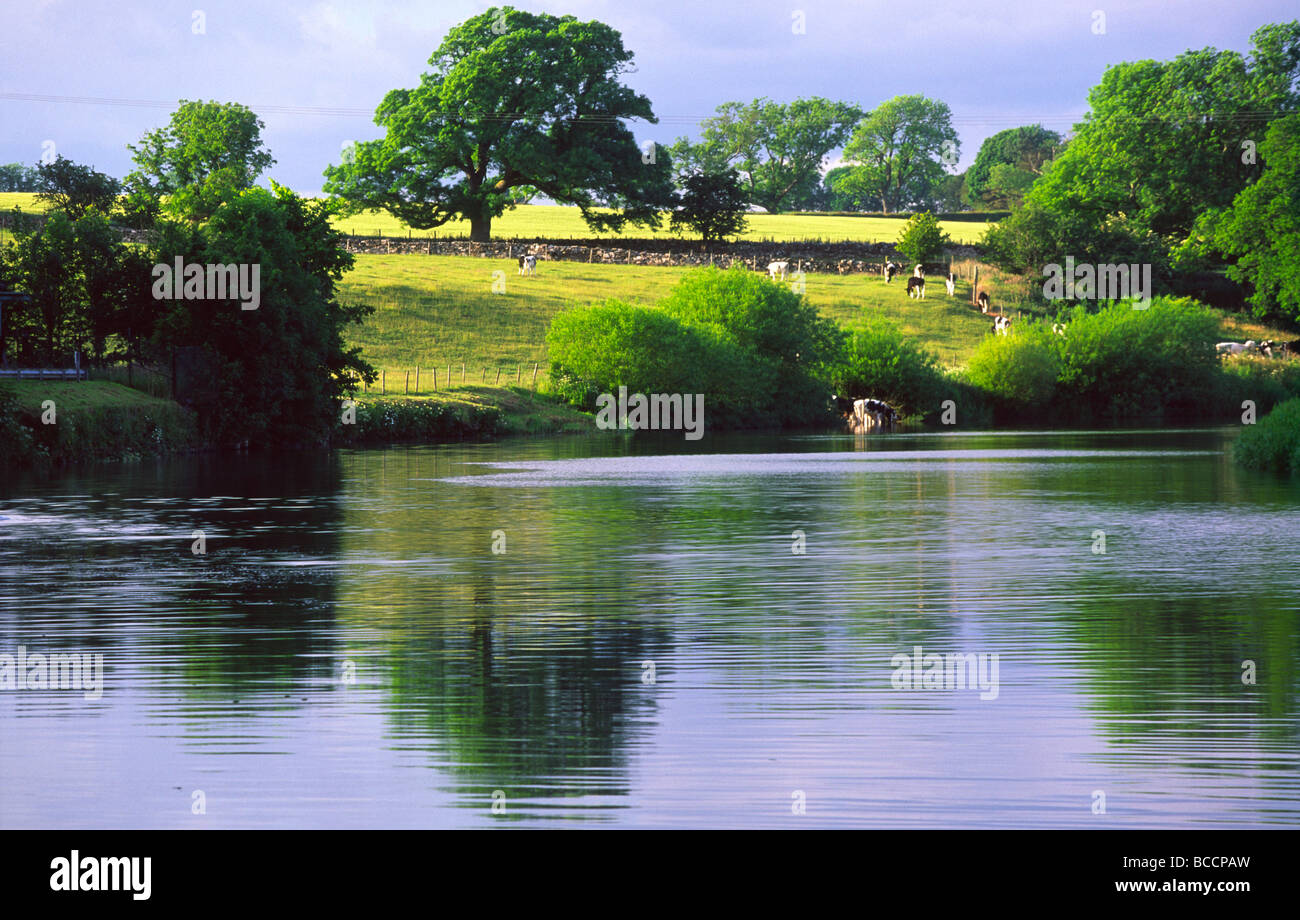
<point>515,100</point>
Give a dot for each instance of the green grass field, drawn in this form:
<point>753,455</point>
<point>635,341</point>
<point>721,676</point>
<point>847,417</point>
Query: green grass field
<point>534,221</point>
<point>433,311</point>
<point>75,395</point>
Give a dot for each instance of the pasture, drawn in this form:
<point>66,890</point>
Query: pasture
<point>538,221</point>
<point>435,310</point>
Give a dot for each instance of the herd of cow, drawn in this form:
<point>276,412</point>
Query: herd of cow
<point>864,415</point>
<point>1267,348</point>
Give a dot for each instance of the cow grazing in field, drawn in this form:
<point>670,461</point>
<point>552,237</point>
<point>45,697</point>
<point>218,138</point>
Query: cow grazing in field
<point>950,283</point>
<point>1001,324</point>
<point>1289,348</point>
<point>1235,348</point>
<point>891,269</point>
<point>916,287</point>
<point>983,300</point>
<point>778,268</point>
<point>528,265</point>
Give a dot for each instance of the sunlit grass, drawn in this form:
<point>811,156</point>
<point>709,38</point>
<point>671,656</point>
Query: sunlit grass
<point>433,311</point>
<point>555,222</point>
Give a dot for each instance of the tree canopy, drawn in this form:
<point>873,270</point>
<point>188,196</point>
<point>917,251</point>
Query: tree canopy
<point>898,151</point>
<point>1262,228</point>
<point>207,153</point>
<point>514,100</point>
<point>1165,144</point>
<point>712,204</point>
<point>777,148</point>
<point>1008,163</point>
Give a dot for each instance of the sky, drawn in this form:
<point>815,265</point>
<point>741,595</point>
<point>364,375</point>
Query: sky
<point>84,78</point>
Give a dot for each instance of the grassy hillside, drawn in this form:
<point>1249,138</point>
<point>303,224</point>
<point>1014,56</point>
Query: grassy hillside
<point>554,222</point>
<point>435,310</point>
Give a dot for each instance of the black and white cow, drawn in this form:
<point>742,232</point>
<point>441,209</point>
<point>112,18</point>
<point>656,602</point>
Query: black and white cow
<point>528,265</point>
<point>916,287</point>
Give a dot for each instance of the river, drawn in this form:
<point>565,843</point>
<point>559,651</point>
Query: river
<point>636,632</point>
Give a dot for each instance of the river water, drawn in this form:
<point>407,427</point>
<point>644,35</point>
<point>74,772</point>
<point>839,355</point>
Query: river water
<point>660,633</point>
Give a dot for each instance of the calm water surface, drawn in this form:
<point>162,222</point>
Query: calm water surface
<point>648,650</point>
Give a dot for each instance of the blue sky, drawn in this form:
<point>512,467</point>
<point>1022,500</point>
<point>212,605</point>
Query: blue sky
<point>997,64</point>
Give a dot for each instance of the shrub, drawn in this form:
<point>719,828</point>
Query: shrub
<point>755,349</point>
<point>381,420</point>
<point>1021,369</point>
<point>921,239</point>
<point>880,362</point>
<point>1273,443</point>
<point>17,447</point>
<point>1123,362</point>
<point>598,348</point>
<point>1264,381</point>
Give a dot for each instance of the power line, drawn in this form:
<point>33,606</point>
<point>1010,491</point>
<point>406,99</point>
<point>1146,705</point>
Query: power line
<point>975,121</point>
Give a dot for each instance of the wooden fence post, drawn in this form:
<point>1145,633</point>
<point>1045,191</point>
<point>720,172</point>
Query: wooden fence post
<point>383,383</point>
<point>417,380</point>
<point>534,375</point>
<point>435,377</point>
<point>498,380</point>
<point>462,373</point>
<point>975,283</point>
<point>407,390</point>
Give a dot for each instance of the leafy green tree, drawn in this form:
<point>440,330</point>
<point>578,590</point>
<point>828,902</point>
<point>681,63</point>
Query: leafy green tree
<point>51,325</point>
<point>1164,144</point>
<point>206,155</point>
<point>922,239</point>
<point>1024,153</point>
<point>275,373</point>
<point>899,150</point>
<point>1262,228</point>
<point>711,204</point>
<point>843,193</point>
<point>75,189</point>
<point>514,99</point>
<point>778,148</point>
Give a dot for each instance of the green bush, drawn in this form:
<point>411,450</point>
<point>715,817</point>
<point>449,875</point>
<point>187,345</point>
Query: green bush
<point>1264,381</point>
<point>394,419</point>
<point>105,433</point>
<point>1122,362</point>
<point>878,361</point>
<point>921,239</point>
<point>1273,443</point>
<point>756,350</point>
<point>17,446</point>
<point>1021,370</point>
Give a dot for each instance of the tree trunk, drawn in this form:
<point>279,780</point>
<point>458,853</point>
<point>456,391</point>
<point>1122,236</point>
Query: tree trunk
<point>480,228</point>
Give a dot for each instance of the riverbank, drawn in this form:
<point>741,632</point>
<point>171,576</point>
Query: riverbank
<point>58,423</point>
